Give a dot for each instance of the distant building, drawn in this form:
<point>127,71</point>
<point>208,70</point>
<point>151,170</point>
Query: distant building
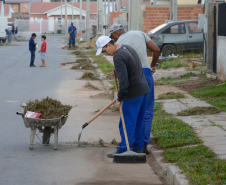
<point>5,10</point>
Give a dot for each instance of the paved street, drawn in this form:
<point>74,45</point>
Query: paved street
<point>69,164</point>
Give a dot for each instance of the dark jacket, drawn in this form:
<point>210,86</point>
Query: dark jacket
<point>129,71</point>
<point>32,44</point>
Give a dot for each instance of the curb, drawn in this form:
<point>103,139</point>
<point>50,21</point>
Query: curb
<point>174,174</point>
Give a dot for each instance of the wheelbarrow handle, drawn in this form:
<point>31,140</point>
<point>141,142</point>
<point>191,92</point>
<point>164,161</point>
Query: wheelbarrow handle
<point>19,113</point>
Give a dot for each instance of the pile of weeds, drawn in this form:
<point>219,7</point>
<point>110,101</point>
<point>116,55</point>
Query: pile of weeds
<point>88,76</point>
<point>83,60</point>
<point>84,66</point>
<point>90,86</point>
<point>48,107</point>
<point>114,142</point>
<point>199,164</point>
<point>199,111</point>
<point>171,95</point>
<point>214,95</point>
<point>171,132</point>
<point>79,54</point>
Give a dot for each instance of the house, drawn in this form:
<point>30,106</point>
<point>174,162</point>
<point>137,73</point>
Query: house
<point>46,16</point>
<point>20,8</point>
<point>5,10</point>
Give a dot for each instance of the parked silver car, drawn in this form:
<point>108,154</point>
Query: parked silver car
<point>177,36</point>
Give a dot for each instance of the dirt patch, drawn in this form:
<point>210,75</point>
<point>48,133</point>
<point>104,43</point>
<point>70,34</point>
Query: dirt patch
<point>161,89</point>
<point>197,84</point>
<point>88,76</point>
<point>90,86</point>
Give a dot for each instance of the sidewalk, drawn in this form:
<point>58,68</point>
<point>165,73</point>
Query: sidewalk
<point>211,129</point>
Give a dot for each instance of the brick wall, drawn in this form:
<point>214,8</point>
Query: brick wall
<point>157,15</point>
<point>115,15</point>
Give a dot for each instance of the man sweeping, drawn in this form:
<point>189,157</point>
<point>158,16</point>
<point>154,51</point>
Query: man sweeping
<point>139,41</point>
<point>133,92</point>
<point>72,30</point>
<point>9,34</point>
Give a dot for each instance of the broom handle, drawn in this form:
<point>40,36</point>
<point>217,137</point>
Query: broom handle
<point>122,117</point>
<point>100,112</point>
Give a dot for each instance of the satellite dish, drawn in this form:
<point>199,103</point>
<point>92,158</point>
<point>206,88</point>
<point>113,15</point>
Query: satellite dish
<point>26,6</point>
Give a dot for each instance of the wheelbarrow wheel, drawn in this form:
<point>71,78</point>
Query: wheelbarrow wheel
<point>46,135</point>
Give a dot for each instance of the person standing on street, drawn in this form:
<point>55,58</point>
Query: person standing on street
<point>139,41</point>
<point>16,30</point>
<point>9,34</point>
<point>32,48</point>
<point>133,92</point>
<point>43,51</point>
<point>72,30</point>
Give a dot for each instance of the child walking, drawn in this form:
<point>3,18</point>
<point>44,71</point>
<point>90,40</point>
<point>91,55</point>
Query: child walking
<point>43,51</point>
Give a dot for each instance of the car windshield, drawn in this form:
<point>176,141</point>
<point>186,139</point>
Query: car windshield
<point>157,28</point>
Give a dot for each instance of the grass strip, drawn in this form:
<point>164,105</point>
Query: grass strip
<point>199,164</point>
<point>214,95</point>
<point>171,132</point>
<point>102,62</point>
<point>171,95</point>
<point>199,111</point>
<point>173,63</point>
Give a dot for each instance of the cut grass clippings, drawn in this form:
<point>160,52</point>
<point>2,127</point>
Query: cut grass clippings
<point>171,132</point>
<point>199,164</point>
<point>102,63</point>
<point>91,86</point>
<point>199,111</point>
<point>214,95</point>
<point>83,66</point>
<point>88,76</point>
<point>48,107</point>
<point>171,95</point>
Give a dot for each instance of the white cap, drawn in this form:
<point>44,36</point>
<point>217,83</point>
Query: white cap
<point>101,42</point>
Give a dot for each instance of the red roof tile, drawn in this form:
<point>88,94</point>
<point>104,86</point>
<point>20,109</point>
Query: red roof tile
<point>44,7</point>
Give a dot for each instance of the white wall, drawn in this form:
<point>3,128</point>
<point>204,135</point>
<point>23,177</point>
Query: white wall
<point>221,58</point>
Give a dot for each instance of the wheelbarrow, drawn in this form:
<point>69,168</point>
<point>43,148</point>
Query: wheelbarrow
<point>46,126</point>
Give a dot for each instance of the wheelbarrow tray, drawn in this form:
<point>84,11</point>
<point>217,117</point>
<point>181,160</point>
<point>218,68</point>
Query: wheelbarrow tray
<point>37,122</point>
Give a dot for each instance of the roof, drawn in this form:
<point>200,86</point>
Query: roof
<point>21,1</point>
<point>43,7</point>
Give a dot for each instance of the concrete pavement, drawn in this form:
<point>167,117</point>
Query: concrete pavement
<point>69,164</point>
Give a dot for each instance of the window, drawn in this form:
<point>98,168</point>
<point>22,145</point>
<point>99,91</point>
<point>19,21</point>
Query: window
<point>193,28</point>
<point>59,20</point>
<point>38,20</point>
<point>175,29</point>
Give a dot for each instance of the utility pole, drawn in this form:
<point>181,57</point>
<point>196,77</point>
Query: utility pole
<point>173,10</point>
<point>105,17</point>
<point>66,17</point>
<point>133,10</point>
<point>108,17</point>
<point>87,20</point>
<point>80,24</point>
<point>118,6</point>
<point>61,10</point>
<point>72,11</point>
<point>99,18</point>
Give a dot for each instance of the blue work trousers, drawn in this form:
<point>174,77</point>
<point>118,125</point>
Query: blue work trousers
<point>150,105</point>
<point>9,39</point>
<point>72,39</point>
<point>32,58</point>
<point>133,112</point>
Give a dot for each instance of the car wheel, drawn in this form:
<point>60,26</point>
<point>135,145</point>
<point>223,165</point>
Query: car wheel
<point>168,50</point>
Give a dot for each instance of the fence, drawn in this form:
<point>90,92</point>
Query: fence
<point>50,26</point>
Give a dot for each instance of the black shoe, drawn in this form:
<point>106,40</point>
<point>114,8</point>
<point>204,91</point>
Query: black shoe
<point>145,150</point>
<point>111,155</point>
